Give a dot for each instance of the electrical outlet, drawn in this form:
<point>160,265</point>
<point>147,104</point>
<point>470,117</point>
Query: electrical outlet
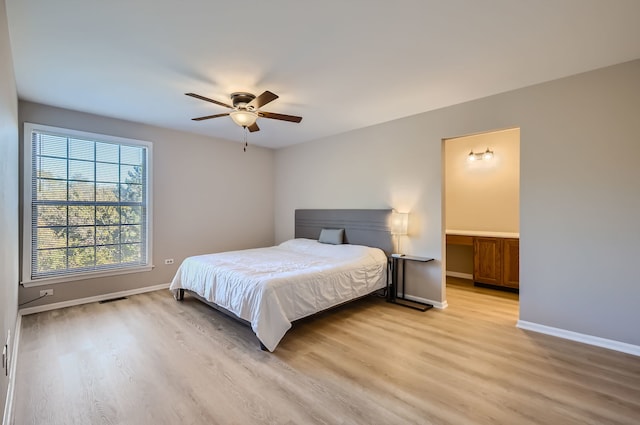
<point>46,292</point>
<point>168,261</point>
<point>5,354</point>
<point>5,360</point>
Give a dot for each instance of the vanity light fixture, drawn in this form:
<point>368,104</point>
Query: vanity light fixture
<point>488,154</point>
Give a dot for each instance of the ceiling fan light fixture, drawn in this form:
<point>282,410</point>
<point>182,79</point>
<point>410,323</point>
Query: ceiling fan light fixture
<point>246,109</point>
<point>244,118</point>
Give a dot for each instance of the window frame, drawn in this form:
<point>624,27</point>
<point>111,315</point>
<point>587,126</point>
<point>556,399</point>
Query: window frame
<point>27,206</point>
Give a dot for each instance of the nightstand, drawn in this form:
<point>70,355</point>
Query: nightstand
<point>392,292</point>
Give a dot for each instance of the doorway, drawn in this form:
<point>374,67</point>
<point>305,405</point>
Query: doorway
<point>481,210</point>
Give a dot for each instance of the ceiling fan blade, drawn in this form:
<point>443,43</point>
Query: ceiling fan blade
<point>208,117</point>
<point>206,99</point>
<point>283,117</point>
<point>253,127</point>
<point>262,100</point>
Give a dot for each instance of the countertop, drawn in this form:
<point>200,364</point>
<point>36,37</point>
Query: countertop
<point>483,233</point>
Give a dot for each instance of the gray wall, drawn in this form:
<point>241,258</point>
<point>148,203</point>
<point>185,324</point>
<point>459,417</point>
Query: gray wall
<point>579,192</point>
<point>208,196</point>
<point>8,195</point>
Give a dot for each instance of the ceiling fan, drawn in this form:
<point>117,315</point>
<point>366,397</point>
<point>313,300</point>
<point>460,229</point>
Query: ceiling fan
<point>246,109</point>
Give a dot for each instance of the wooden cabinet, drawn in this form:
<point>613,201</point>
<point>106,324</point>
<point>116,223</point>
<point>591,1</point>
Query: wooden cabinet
<point>496,261</point>
<point>511,263</point>
<point>487,260</point>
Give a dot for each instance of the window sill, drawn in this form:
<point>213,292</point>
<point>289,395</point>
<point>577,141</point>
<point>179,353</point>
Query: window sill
<point>83,276</point>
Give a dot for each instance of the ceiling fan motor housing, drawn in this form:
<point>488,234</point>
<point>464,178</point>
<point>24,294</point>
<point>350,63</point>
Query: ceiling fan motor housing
<point>241,99</point>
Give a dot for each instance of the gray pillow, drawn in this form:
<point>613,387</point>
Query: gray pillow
<point>331,236</point>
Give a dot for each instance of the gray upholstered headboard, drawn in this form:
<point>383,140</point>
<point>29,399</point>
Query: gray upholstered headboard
<point>361,227</point>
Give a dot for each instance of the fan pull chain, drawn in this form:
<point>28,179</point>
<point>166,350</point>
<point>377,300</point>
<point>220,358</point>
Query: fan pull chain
<point>245,138</point>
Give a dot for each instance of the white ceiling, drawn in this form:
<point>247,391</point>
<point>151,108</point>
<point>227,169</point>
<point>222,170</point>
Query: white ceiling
<point>341,64</point>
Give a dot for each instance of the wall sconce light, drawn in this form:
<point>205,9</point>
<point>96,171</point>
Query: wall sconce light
<point>488,154</point>
<point>399,225</point>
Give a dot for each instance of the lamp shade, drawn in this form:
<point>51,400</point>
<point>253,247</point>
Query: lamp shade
<point>399,223</point>
<point>244,118</point>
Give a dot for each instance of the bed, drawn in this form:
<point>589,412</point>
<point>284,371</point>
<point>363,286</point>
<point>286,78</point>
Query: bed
<point>269,288</point>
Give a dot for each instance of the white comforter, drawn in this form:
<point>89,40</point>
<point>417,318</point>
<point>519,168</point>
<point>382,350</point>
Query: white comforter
<point>271,287</point>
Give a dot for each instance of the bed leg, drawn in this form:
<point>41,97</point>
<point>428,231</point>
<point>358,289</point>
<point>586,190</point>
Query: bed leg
<point>179,294</point>
<point>262,347</point>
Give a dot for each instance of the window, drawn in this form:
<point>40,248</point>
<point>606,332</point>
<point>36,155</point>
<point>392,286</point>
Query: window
<point>86,205</point>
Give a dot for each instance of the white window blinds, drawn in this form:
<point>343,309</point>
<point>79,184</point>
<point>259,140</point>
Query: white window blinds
<point>89,209</point>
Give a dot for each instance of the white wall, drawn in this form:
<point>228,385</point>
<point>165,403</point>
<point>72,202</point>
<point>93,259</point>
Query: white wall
<point>579,203</point>
<point>9,217</point>
<point>208,196</point>
<point>484,194</point>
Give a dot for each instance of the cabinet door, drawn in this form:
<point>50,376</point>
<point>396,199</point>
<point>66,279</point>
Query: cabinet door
<point>487,260</point>
<point>511,263</point>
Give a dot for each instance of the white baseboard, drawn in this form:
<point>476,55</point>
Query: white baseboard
<point>467,276</point>
<point>71,303</point>
<point>7,418</point>
<point>436,304</point>
<point>575,336</point>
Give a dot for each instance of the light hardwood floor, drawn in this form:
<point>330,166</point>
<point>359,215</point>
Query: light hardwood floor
<point>152,360</point>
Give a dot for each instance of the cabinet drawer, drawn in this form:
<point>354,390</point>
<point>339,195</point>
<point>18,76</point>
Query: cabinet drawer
<point>459,240</point>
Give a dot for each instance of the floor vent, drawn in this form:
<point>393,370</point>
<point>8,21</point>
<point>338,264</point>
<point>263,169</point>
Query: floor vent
<point>112,300</point>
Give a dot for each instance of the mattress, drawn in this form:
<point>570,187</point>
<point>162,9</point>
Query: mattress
<point>271,287</point>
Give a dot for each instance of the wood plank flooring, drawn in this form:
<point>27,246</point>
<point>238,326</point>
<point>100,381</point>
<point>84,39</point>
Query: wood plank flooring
<point>152,360</point>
